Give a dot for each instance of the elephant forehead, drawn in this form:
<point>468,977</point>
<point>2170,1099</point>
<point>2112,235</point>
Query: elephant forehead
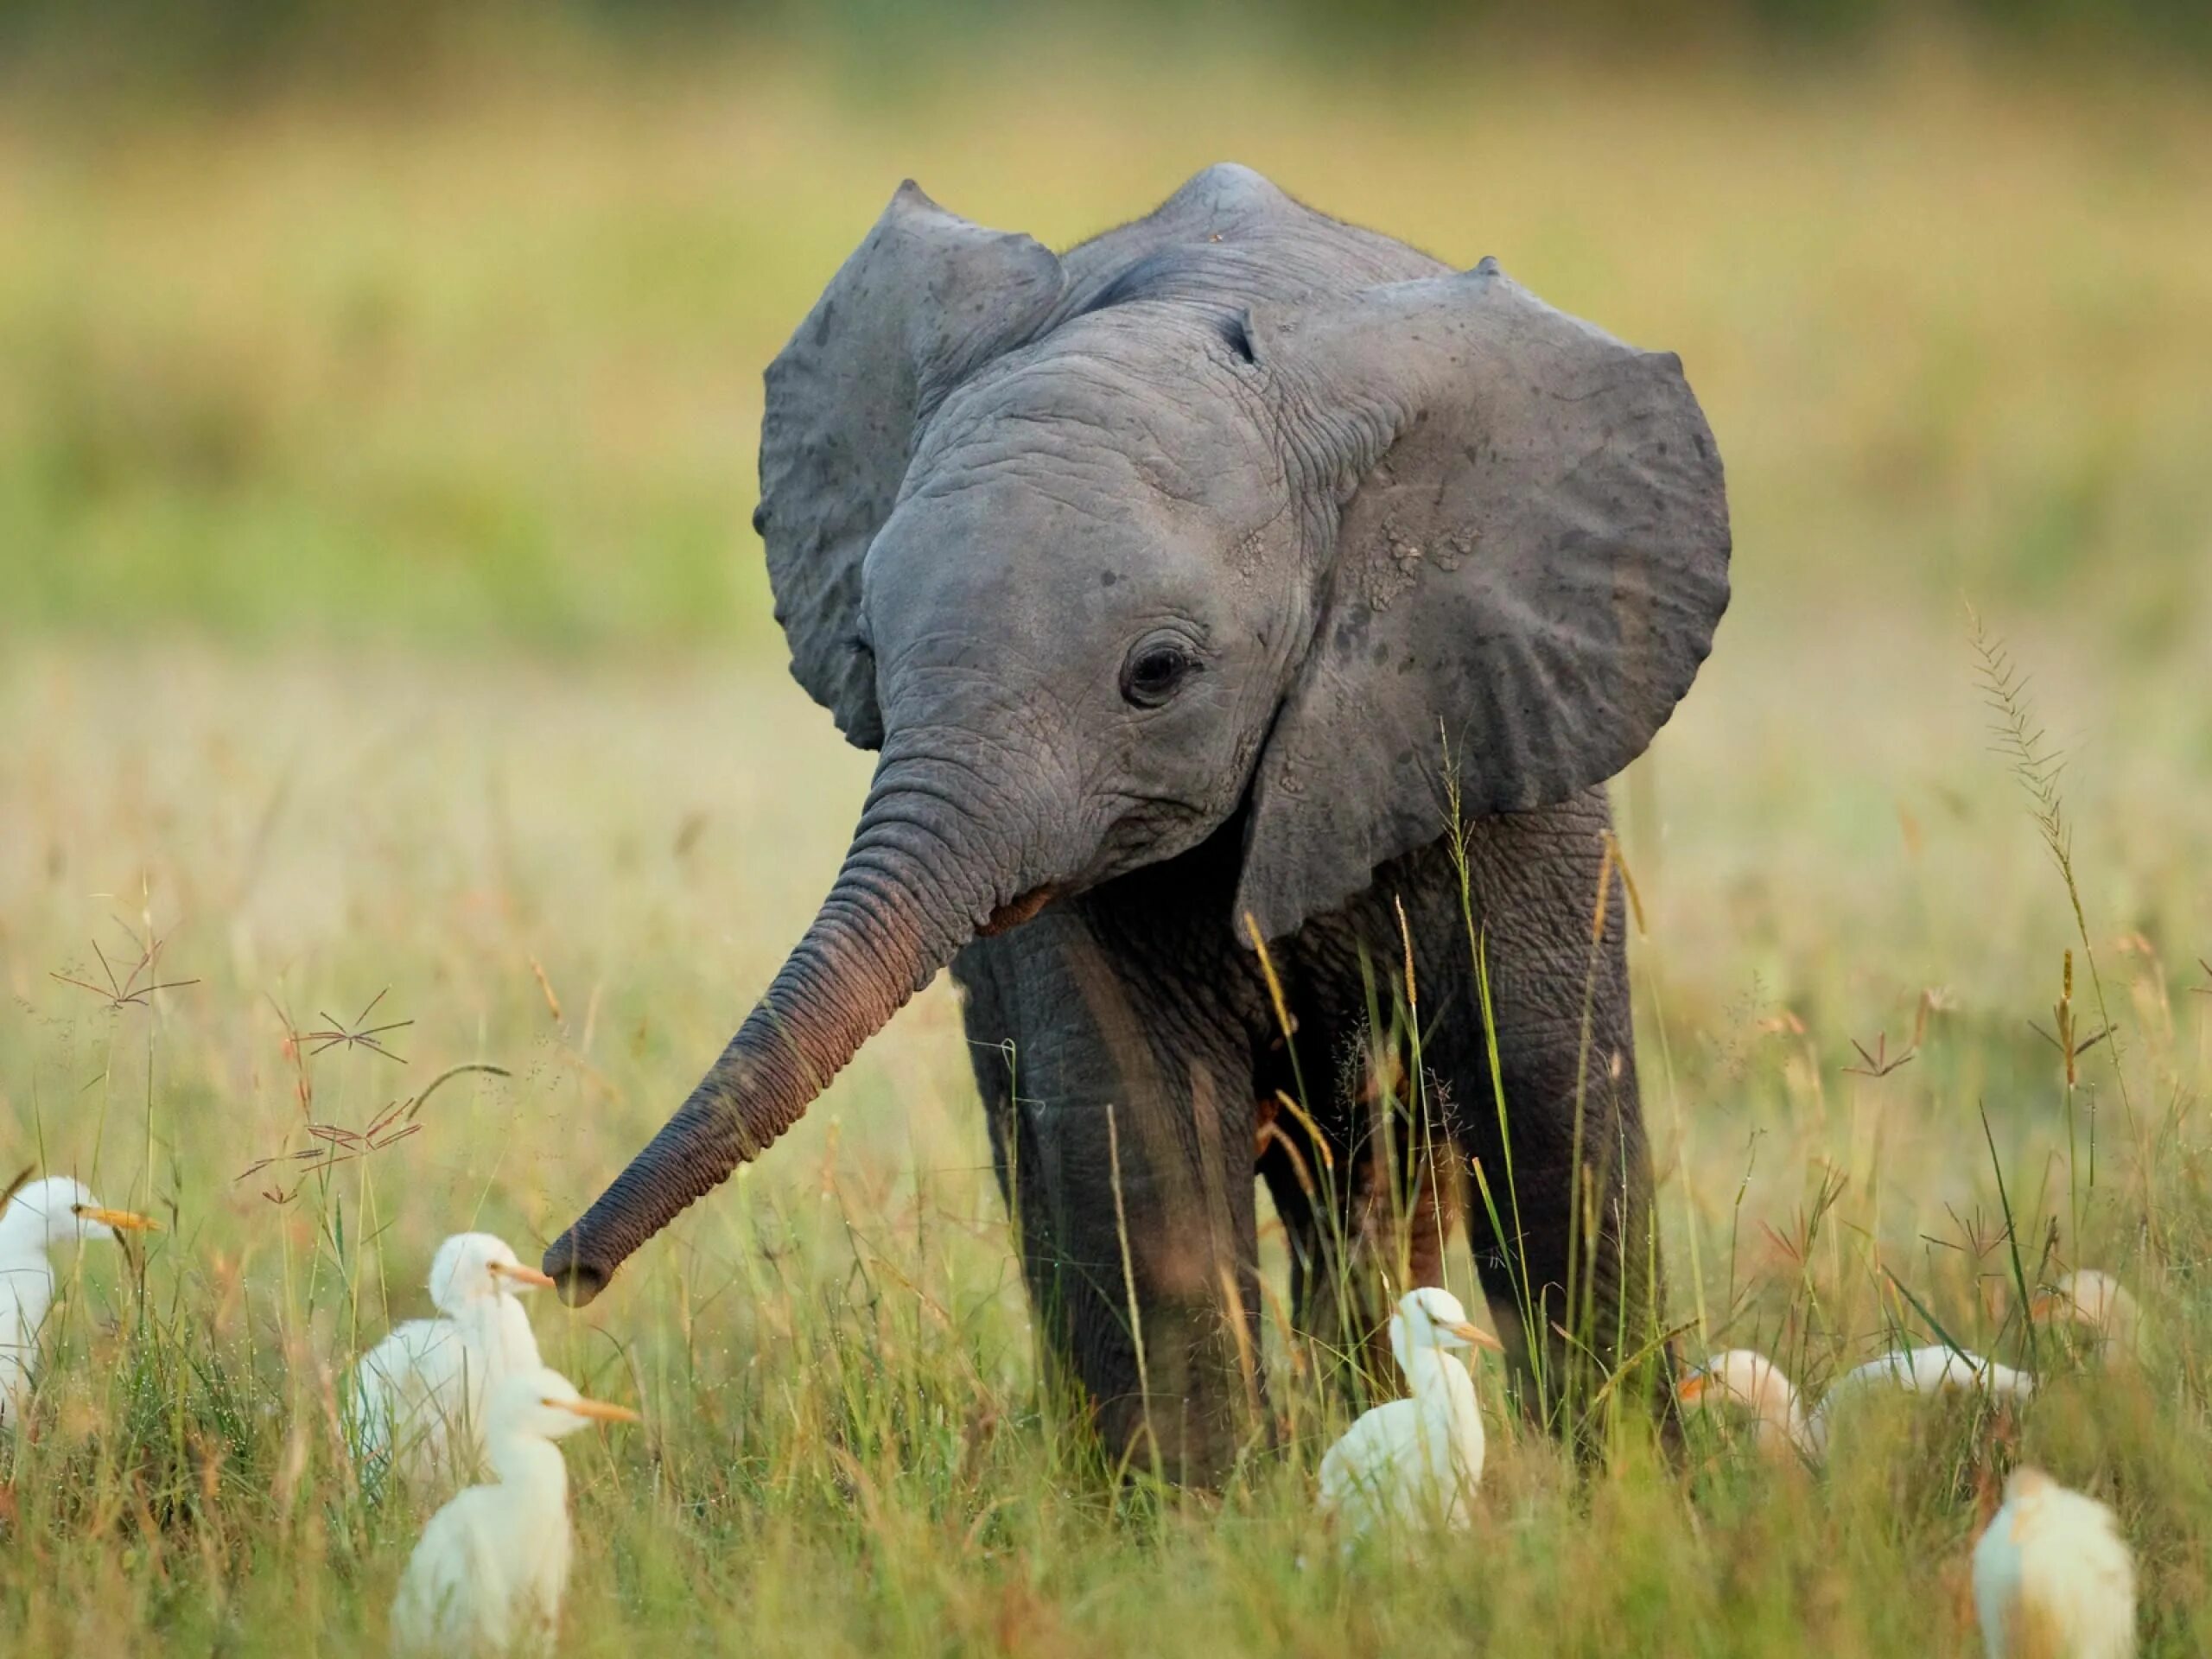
<point>1008,576</point>
<point>1140,403</point>
<point>1029,511</point>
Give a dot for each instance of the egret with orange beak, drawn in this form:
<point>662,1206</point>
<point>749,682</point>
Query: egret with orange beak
<point>1740,1377</point>
<point>2098,1305</point>
<point>38,1218</point>
<point>489,1574</point>
<point>1417,1461</point>
<point>419,1395</point>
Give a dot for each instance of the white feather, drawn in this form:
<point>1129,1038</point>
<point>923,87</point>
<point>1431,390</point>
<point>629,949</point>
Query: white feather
<point>41,1218</point>
<point>2098,1303</point>
<point>1741,1378</point>
<point>490,1572</point>
<point>419,1395</point>
<point>1933,1370</point>
<point>2052,1576</point>
<point>1418,1461</point>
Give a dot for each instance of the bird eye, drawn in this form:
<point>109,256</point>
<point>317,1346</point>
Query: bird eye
<point>1155,671</point>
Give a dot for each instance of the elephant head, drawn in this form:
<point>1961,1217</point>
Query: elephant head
<point>1234,512</point>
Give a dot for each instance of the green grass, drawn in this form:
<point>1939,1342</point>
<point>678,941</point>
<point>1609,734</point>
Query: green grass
<point>378,616</point>
<point>845,1448</point>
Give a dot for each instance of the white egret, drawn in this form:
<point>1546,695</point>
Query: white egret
<point>488,1575</point>
<point>1751,1380</point>
<point>419,1395</point>
<point>2099,1304</point>
<point>39,1217</point>
<point>1932,1370</point>
<point>2052,1576</point>
<point>1417,1460</point>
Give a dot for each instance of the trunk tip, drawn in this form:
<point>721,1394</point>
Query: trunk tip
<point>576,1280</point>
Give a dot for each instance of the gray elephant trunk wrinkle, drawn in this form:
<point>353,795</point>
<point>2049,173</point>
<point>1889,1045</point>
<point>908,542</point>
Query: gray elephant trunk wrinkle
<point>907,899</point>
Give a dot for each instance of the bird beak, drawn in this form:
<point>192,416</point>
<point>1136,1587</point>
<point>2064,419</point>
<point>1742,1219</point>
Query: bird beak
<point>1475,1335</point>
<point>2044,1306</point>
<point>599,1411</point>
<point>126,1221</point>
<point>1690,1390</point>
<point>523,1276</point>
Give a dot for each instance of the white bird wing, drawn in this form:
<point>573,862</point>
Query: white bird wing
<point>2052,1574</point>
<point>1943,1369</point>
<point>409,1391</point>
<point>1996,1582</point>
<point>26,1293</point>
<point>15,1355</point>
<point>2085,1577</point>
<point>1373,1469</point>
<point>2007,1384</point>
<point>450,1366</point>
<point>1932,1370</point>
<point>517,1342</point>
<point>453,1597</point>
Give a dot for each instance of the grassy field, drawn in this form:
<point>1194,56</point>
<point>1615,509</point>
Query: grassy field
<point>377,620</point>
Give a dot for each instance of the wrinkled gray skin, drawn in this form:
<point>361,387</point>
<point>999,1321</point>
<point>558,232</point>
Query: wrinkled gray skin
<point>1165,574</point>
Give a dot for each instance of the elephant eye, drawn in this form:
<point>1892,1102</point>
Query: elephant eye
<point>1155,671</point>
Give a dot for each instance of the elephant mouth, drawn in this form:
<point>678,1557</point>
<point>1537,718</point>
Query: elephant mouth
<point>1015,911</point>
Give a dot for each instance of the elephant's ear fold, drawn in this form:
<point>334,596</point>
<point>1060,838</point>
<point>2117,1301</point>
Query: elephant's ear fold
<point>1531,554</point>
<point>925,300</point>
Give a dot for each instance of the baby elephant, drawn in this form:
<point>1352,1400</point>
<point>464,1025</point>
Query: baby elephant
<point>1248,612</point>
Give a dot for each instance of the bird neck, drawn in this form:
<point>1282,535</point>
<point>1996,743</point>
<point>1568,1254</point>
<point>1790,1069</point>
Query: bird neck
<point>531,1466</point>
<point>1775,1406</point>
<point>22,1239</point>
<point>479,1318</point>
<point>25,1284</point>
<point>1782,1427</point>
<point>1442,1388</point>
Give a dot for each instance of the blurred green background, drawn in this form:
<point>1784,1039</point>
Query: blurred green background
<point>381,627</point>
<point>416,323</point>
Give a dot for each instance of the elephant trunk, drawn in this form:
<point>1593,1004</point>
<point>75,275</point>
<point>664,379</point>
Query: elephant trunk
<point>904,901</point>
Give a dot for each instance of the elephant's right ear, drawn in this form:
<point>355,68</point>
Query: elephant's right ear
<point>925,300</point>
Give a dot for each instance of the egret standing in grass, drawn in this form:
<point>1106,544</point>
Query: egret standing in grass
<point>2052,1576</point>
<point>489,1574</point>
<point>1418,1460</point>
<point>1932,1370</point>
<point>39,1217</point>
<point>419,1393</point>
<point>2100,1305</point>
<point>1754,1383</point>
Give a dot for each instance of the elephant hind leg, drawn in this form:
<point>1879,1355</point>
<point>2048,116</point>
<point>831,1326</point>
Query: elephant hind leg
<point>1405,1204</point>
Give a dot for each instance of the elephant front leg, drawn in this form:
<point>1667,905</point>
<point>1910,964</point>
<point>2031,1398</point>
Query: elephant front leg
<point>1574,1286</point>
<point>1571,1262</point>
<point>1165,1327</point>
<point>1128,1172</point>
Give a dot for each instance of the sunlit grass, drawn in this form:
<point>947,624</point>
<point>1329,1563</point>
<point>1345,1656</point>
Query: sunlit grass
<point>845,1448</point>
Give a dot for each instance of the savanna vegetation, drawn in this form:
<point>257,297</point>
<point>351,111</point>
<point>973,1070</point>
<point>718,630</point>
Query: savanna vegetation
<point>387,671</point>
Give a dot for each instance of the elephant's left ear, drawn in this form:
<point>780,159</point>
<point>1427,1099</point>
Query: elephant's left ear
<point>1531,554</point>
